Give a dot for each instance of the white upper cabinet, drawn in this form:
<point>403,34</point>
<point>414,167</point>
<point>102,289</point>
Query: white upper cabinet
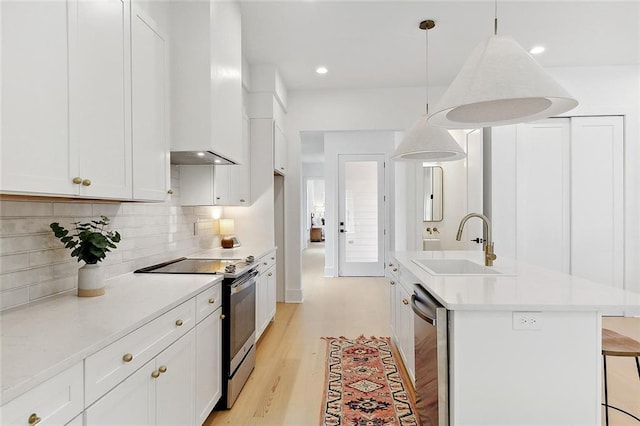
<point>100,96</point>
<point>149,117</point>
<point>37,155</point>
<point>67,101</point>
<point>206,78</point>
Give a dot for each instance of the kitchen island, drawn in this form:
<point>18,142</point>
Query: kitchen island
<point>524,342</point>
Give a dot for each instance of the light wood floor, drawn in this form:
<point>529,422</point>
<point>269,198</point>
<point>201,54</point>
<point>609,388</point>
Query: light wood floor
<point>286,387</point>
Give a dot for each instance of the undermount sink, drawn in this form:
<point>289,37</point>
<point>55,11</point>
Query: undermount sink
<point>454,267</point>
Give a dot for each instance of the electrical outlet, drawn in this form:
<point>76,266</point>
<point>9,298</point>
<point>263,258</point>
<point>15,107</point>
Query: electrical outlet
<point>527,320</point>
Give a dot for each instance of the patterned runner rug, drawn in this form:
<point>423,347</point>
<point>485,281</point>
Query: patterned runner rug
<point>364,386</point>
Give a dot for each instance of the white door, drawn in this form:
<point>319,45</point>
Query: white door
<point>597,199</point>
<point>361,215</point>
<point>542,197</point>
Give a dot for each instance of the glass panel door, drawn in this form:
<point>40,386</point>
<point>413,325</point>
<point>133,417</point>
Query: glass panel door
<point>361,215</point>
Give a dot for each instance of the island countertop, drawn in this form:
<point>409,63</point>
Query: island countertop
<point>520,286</point>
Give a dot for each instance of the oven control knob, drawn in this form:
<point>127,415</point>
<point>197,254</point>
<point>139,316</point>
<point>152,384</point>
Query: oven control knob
<point>250,259</point>
<point>230,269</point>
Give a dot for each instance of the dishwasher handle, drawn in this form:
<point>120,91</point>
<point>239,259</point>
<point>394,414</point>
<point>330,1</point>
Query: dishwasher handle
<point>419,313</point>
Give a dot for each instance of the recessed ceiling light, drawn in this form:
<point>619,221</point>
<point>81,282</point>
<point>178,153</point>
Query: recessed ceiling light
<point>536,50</point>
<point>217,161</point>
<point>322,70</point>
<point>201,154</point>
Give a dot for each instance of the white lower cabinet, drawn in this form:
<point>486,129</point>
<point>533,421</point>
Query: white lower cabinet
<point>402,319</point>
<point>159,393</point>
<point>208,365</point>
<point>265,293</point>
<point>56,401</point>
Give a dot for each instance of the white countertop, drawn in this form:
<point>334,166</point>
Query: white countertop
<point>43,338</point>
<point>523,287</point>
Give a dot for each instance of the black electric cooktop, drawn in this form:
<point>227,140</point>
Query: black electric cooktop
<point>190,266</point>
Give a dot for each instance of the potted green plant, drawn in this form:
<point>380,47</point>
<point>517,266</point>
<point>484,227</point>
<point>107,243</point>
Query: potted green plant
<point>90,243</point>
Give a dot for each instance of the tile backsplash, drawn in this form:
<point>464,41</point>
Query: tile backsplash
<point>34,264</point>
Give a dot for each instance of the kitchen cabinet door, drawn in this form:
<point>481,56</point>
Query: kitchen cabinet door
<point>406,328</point>
<point>149,118</point>
<point>37,154</point>
<point>100,96</point>
<point>208,365</point>
<point>261,303</point>
<point>175,387</point>
<point>131,402</point>
<point>271,294</point>
<point>161,392</point>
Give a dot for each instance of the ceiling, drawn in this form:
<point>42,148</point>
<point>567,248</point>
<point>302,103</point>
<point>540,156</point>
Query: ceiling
<point>368,44</point>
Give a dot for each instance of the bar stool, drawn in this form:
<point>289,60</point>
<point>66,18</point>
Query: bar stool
<point>615,344</point>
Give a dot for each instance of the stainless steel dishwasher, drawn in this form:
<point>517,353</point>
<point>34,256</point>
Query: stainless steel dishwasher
<point>431,358</point>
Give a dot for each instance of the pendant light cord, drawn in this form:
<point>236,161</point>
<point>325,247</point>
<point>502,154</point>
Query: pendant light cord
<point>426,67</point>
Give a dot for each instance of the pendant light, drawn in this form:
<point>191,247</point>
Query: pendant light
<point>425,142</point>
<point>499,84</point>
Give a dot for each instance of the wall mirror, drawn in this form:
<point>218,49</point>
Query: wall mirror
<point>432,180</point>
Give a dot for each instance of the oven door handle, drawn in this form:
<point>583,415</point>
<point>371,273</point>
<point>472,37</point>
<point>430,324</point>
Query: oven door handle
<point>237,288</point>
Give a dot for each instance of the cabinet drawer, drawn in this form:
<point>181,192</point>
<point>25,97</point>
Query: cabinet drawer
<point>266,262</point>
<point>109,366</point>
<point>56,401</point>
<point>208,301</point>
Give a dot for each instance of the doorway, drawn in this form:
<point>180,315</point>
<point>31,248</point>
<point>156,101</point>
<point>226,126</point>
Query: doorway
<point>361,215</point>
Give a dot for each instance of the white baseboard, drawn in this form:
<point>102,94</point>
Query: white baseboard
<point>294,296</point>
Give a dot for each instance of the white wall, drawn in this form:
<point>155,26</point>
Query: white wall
<point>336,143</point>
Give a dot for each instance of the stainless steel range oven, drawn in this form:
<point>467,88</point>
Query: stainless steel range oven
<point>238,334</point>
<point>239,310</point>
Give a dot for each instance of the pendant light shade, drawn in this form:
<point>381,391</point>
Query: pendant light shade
<point>425,142</point>
<point>428,143</point>
<point>500,84</point>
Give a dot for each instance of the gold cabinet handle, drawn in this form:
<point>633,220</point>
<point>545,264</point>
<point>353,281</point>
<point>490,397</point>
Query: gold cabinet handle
<point>281,168</point>
<point>270,273</point>
<point>390,265</point>
<point>170,191</point>
<point>155,374</point>
<point>34,419</point>
<point>222,316</point>
<point>77,180</point>
<point>241,200</point>
<point>265,263</point>
<point>392,282</point>
<point>179,323</point>
<point>405,301</point>
<point>212,300</point>
<point>162,369</point>
<point>395,269</point>
<point>217,198</point>
<point>86,182</point>
<point>127,357</point>
<point>273,258</point>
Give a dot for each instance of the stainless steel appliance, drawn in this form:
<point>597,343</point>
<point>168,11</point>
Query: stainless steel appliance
<point>239,310</point>
<point>238,334</point>
<point>431,358</point>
